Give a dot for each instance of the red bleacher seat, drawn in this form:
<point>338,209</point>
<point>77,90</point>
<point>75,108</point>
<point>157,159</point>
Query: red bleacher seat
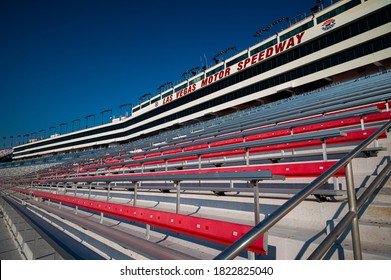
<point>214,230</point>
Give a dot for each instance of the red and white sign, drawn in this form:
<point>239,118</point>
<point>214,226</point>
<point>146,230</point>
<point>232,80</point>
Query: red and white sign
<point>328,24</point>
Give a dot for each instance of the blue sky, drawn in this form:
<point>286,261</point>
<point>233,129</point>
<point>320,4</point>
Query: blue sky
<point>62,60</point>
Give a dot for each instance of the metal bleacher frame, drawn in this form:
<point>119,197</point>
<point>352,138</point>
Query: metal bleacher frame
<point>242,127</point>
<point>359,112</point>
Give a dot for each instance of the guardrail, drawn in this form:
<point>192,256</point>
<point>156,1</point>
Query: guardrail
<point>262,227</point>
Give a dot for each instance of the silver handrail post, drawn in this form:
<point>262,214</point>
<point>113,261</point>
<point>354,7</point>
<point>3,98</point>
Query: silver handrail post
<point>352,201</point>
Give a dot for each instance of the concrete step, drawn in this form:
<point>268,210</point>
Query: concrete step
<point>9,246</point>
<point>370,231</point>
<point>29,242</point>
<point>375,232</point>
<point>296,243</point>
<point>365,180</point>
<point>378,212</point>
<point>379,196</point>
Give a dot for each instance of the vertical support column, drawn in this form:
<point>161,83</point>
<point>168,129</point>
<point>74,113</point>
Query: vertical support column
<point>324,149</point>
<point>89,190</point>
<point>108,192</point>
<point>353,208</point>
<point>325,158</point>
<point>136,184</point>
<point>75,189</point>
<point>256,202</point>
<point>101,218</point>
<point>251,255</point>
<point>247,156</point>
<point>199,161</point>
<point>376,143</point>
<point>178,195</point>
<point>293,150</point>
<point>335,183</point>
<point>362,123</point>
<point>147,231</point>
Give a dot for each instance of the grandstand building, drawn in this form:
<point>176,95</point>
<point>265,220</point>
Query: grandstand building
<point>341,42</point>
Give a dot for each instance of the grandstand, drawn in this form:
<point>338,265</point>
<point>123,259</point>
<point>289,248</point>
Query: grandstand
<point>237,161</point>
<point>303,177</point>
<point>5,155</point>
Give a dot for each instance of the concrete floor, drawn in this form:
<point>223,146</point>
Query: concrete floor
<point>8,247</point>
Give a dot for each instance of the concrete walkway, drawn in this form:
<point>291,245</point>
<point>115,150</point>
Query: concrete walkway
<point>8,247</point>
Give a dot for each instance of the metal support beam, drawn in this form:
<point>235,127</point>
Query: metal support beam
<point>256,202</point>
<point>362,123</point>
<point>178,195</point>
<point>89,191</point>
<point>293,150</point>
<point>148,231</point>
<point>251,255</point>
<point>108,192</point>
<point>335,183</point>
<point>324,149</point>
<point>137,184</point>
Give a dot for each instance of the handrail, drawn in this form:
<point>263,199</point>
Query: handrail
<point>347,219</point>
<point>247,239</point>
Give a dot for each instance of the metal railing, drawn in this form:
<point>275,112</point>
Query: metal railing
<point>352,218</point>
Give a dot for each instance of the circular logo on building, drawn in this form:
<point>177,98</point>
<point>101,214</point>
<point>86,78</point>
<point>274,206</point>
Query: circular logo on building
<point>328,24</point>
<point>156,104</point>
